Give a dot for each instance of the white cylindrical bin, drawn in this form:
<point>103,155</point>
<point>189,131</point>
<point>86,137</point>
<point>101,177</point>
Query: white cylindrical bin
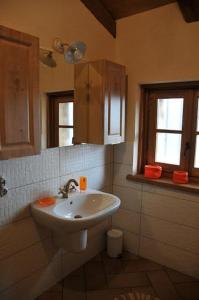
<point>114,242</point>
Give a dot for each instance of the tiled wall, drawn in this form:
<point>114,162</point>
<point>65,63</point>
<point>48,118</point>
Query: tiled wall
<point>29,262</point>
<point>159,224</point>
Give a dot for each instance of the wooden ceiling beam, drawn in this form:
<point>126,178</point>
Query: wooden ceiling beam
<point>102,14</point>
<point>190,10</point>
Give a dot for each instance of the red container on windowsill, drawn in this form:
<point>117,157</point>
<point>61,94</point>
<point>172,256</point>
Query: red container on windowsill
<point>153,172</point>
<point>180,177</point>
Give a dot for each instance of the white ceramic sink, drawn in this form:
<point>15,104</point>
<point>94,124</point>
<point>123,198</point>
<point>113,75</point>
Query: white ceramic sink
<point>80,211</point>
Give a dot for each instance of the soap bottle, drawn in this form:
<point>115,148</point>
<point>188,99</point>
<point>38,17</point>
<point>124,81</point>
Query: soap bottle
<point>83,183</point>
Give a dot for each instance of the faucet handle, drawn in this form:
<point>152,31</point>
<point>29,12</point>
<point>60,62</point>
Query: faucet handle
<point>72,188</point>
<point>63,192</point>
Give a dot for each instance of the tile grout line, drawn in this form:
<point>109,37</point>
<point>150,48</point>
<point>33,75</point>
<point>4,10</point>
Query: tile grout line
<point>164,243</point>
<point>174,285</point>
<point>56,177</point>
<point>146,273</point>
<point>107,289</point>
<point>180,298</point>
<point>170,222</point>
<point>23,278</point>
<point>23,249</point>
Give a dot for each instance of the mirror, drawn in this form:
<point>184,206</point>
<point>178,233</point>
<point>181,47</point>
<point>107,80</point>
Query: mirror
<point>57,92</point>
<point>57,95</point>
<point>60,126</point>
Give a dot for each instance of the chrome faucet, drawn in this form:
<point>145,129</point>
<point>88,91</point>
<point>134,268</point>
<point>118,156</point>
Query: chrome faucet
<point>68,188</point>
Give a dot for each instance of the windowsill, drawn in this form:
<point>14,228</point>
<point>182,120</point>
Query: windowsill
<point>165,183</point>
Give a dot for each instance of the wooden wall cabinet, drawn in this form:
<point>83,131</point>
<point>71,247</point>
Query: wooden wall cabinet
<point>99,110</point>
<point>19,94</point>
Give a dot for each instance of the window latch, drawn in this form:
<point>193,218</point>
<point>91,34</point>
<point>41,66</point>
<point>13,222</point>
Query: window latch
<point>186,148</point>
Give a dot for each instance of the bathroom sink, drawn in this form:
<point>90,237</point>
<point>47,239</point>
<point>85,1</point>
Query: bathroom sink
<point>80,211</point>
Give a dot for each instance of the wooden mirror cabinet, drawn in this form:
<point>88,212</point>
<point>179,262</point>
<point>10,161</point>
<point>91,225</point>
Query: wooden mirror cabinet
<point>19,94</point>
<point>99,100</point>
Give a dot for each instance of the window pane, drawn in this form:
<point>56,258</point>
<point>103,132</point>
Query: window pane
<point>66,113</point>
<point>169,113</point>
<point>196,162</point>
<point>65,136</point>
<point>168,147</point>
<point>198,117</point>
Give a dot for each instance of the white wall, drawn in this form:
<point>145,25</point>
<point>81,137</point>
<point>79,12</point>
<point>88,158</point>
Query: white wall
<point>156,46</point>
<point>29,263</point>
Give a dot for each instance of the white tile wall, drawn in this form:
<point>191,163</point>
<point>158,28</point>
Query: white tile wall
<point>171,209</point>
<point>131,242</point>
<point>168,231</point>
<point>78,159</point>
<point>28,170</point>
<point>19,236</point>
<point>130,198</point>
<point>23,263</point>
<point>180,236</point>
<point>123,153</point>
<point>127,220</point>
<point>29,263</point>
<point>33,285</point>
<point>130,194</point>
<point>97,178</point>
<point>120,171</point>
<point>171,193</point>
<point>158,223</point>
<point>16,204</point>
<point>170,256</point>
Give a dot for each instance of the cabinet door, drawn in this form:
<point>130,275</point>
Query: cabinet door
<point>114,111</point>
<point>19,94</point>
<point>89,103</point>
<point>81,104</point>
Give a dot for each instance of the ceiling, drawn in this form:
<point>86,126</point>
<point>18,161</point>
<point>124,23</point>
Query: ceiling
<point>124,8</point>
<point>109,11</point>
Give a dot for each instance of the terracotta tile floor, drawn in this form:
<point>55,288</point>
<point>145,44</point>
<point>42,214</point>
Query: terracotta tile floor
<point>104,278</point>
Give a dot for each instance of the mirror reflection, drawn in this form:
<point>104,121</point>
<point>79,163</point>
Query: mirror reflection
<point>57,94</point>
<point>60,119</point>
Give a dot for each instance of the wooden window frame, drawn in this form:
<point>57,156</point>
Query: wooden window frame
<point>52,115</point>
<point>143,149</point>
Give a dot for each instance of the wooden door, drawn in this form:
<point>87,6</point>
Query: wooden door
<point>114,110</point>
<point>19,94</point>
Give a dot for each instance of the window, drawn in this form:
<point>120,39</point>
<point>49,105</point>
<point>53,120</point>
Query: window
<point>169,127</point>
<point>60,119</point>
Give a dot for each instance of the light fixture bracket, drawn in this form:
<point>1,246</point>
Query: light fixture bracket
<point>73,53</point>
<point>58,45</point>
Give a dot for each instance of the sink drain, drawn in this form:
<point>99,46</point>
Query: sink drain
<point>77,217</point>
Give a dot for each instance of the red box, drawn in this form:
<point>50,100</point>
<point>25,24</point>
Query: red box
<point>153,172</point>
<point>180,177</point>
